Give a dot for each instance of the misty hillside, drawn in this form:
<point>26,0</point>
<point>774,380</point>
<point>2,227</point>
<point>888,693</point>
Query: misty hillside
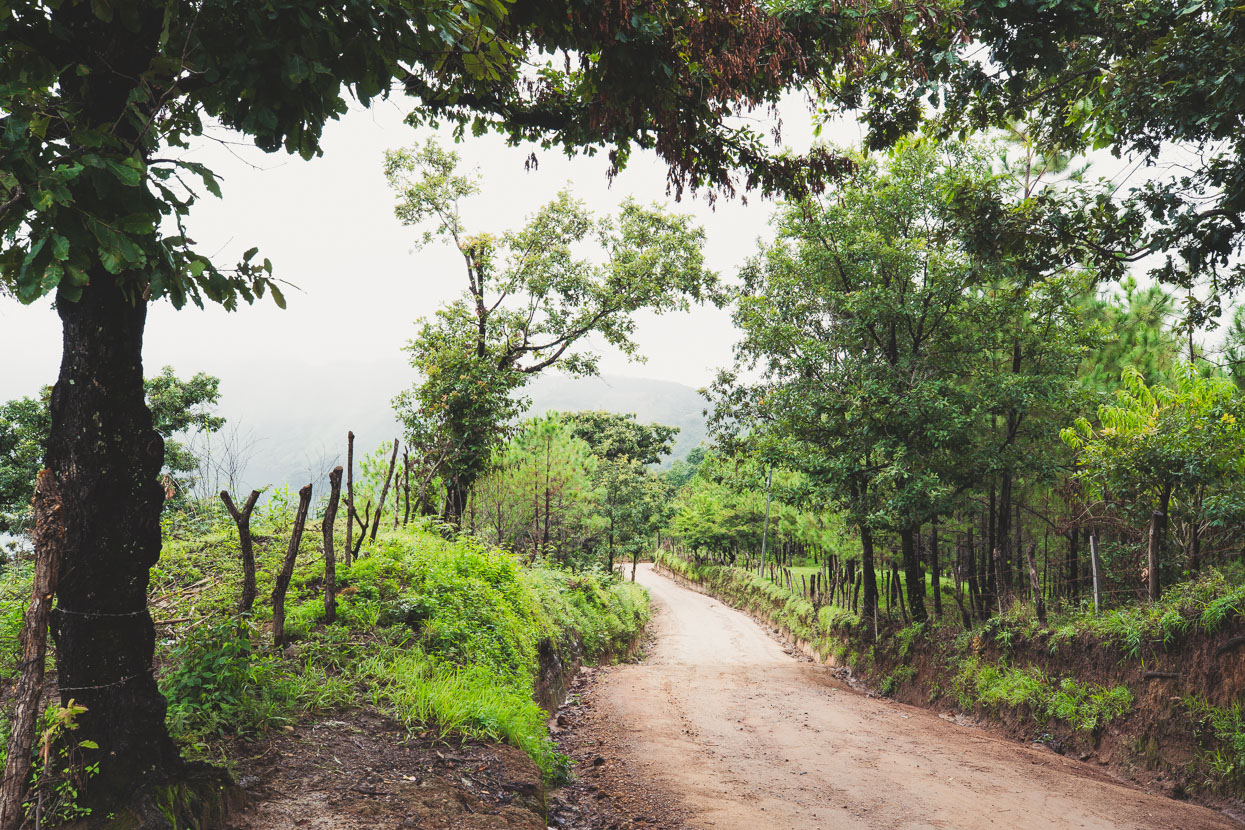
<point>653,401</point>
<point>292,423</point>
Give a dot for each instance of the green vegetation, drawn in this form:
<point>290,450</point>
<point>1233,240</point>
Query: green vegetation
<point>1222,739</point>
<point>443,635</point>
<point>993,685</point>
<point>532,300</point>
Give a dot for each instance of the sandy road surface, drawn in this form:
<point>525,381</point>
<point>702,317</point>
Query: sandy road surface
<point>754,739</point>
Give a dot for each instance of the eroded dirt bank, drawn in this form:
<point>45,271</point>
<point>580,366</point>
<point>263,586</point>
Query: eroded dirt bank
<point>748,737</point>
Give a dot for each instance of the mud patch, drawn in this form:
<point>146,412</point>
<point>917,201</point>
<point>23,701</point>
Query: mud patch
<point>363,770</point>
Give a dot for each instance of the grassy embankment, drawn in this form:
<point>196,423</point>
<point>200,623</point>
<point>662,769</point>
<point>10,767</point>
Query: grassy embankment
<point>441,635</point>
<point>1153,689</point>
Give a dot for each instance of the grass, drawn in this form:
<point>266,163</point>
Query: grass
<point>443,635</point>
<point>1221,734</point>
<point>997,687</point>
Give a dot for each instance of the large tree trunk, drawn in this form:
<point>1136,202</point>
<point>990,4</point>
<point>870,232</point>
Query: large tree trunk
<point>913,577</point>
<point>106,457</point>
<point>869,605</point>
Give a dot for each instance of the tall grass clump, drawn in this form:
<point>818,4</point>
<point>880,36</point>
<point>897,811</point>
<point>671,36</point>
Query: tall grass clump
<point>445,635</point>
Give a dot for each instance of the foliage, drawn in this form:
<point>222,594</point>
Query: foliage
<point>1134,78</point>
<point>1222,738</point>
<point>179,408</point>
<point>1085,707</point>
<point>1162,440</point>
<point>59,771</point>
<point>531,299</point>
<point>443,634</point>
<point>24,425</point>
<point>539,497</point>
<point>617,437</point>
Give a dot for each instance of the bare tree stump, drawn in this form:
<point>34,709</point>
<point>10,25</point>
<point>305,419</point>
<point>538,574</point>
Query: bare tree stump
<point>330,558</point>
<point>287,568</point>
<point>242,518</point>
<point>49,549</point>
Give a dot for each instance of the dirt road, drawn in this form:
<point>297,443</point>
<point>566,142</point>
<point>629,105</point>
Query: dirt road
<point>753,739</point>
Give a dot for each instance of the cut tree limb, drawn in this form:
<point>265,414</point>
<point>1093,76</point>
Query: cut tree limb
<point>49,549</point>
<point>384,491</point>
<point>330,559</point>
<point>287,568</point>
<point>242,518</point>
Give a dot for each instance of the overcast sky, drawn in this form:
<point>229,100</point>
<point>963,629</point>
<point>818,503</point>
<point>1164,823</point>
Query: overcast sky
<point>328,227</point>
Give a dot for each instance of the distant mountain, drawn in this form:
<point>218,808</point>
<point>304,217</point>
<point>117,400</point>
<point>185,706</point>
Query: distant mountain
<point>652,401</point>
<point>293,420</point>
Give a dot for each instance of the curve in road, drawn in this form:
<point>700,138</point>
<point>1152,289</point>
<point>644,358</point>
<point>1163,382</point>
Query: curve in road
<point>751,738</point>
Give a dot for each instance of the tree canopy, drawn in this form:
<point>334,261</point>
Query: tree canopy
<point>531,300</point>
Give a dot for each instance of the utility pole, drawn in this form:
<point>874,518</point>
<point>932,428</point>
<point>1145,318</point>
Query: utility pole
<point>769,481</point>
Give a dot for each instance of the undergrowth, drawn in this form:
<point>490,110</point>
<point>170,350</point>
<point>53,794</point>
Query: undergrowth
<point>996,686</point>
<point>443,635</point>
<point>1221,737</point>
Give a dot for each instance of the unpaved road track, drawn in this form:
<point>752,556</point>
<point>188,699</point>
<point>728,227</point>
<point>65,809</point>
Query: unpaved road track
<point>750,738</point>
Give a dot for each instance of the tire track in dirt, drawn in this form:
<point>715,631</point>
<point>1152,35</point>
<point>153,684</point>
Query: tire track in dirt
<point>745,736</point>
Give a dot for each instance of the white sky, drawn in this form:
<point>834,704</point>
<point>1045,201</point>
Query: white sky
<point>328,227</point>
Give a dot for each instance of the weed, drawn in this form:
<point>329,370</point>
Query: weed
<point>1222,741</point>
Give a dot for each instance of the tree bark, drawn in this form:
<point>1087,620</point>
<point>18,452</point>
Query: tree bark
<point>1152,554</point>
<point>330,557</point>
<point>455,502</point>
<point>287,567</point>
<point>1003,538</point>
<point>106,458</point>
<point>913,577</point>
<point>242,518</point>
<point>869,603</point>
<point>49,538</point>
<point>934,581</point>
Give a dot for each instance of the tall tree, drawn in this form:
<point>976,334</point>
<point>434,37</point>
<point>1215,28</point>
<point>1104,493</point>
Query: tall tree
<point>632,499</point>
<point>862,321</point>
<point>529,304</point>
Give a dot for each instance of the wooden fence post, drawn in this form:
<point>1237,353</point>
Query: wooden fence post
<point>242,518</point>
